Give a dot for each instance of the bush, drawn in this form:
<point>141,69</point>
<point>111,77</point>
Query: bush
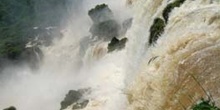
<point>156,29</point>
<point>205,105</point>
<point>170,7</point>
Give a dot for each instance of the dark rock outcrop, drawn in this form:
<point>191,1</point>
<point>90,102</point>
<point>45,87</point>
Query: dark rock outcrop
<point>104,26</point>
<point>100,13</point>
<point>106,29</point>
<point>156,29</point>
<point>80,105</point>
<point>10,108</point>
<point>75,98</point>
<point>116,44</point>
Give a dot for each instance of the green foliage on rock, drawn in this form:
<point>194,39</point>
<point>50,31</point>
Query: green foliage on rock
<point>156,29</point>
<point>205,105</point>
<point>159,24</point>
<point>170,7</point>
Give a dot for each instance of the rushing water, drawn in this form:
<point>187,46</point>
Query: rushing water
<point>185,65</point>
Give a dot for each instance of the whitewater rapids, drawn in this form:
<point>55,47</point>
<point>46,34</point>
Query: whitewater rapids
<point>174,74</point>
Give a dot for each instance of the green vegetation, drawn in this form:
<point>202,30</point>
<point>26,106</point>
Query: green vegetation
<point>17,19</point>
<point>11,50</point>
<point>159,24</point>
<point>15,24</point>
<point>205,105</point>
<point>156,29</point>
<point>170,7</point>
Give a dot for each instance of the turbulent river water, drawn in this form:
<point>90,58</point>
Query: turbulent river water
<point>173,74</point>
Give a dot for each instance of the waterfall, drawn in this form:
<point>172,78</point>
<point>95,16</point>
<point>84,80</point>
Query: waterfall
<point>185,58</point>
<point>180,68</point>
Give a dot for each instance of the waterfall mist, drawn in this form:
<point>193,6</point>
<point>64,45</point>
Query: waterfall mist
<point>63,68</point>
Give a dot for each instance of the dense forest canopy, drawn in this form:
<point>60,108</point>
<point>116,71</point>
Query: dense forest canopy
<point>22,20</point>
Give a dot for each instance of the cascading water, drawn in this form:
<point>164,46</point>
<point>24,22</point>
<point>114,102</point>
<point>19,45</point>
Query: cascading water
<point>173,74</point>
<point>183,66</point>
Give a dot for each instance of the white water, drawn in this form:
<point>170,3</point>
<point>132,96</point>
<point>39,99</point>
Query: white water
<point>124,80</point>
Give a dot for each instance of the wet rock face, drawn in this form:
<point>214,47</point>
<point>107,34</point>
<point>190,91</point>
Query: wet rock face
<point>116,44</point>
<point>104,26</point>
<point>105,30</point>
<point>80,105</point>
<point>75,98</point>
<point>71,97</point>
<point>10,108</point>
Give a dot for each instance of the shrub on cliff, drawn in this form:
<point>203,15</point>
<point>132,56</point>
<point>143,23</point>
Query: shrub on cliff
<point>170,7</point>
<point>205,105</point>
<point>156,29</point>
